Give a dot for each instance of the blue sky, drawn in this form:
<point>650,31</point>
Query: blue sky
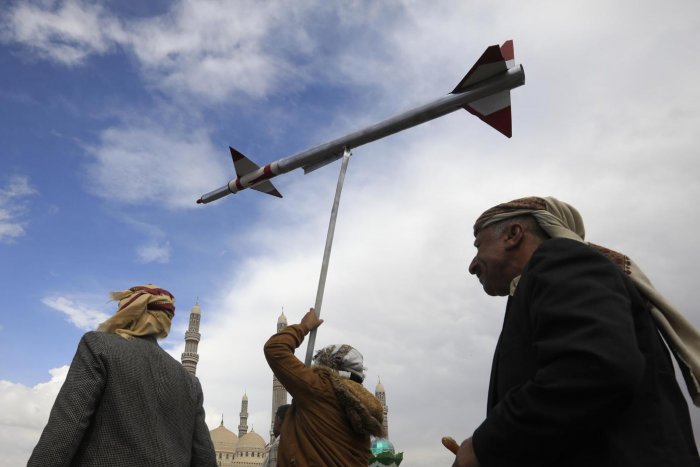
<point>116,117</point>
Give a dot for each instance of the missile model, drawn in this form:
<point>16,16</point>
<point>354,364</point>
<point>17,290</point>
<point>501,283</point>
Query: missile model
<point>484,91</point>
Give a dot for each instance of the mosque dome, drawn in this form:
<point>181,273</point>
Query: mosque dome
<point>250,449</point>
<point>224,439</point>
<point>383,454</point>
<point>196,309</point>
<point>380,445</point>
<point>282,319</point>
<point>380,387</point>
<point>251,440</point>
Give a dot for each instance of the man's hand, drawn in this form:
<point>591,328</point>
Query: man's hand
<point>450,443</point>
<point>466,456</point>
<point>310,321</point>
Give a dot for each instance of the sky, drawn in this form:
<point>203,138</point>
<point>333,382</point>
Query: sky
<point>116,116</point>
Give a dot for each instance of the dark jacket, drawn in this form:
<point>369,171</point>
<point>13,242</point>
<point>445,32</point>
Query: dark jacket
<point>330,421</point>
<point>581,376</point>
<point>125,403</point>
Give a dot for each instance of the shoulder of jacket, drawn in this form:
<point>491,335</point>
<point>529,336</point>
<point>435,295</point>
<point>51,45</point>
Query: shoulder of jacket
<point>561,244</point>
<point>558,249</point>
<point>562,254</point>
<point>93,338</point>
<point>561,258</point>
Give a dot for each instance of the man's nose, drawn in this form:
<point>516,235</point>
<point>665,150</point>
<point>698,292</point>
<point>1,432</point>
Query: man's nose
<point>473,266</point>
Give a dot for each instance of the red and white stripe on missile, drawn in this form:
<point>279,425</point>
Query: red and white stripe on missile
<point>484,91</point>
<point>249,175</point>
<point>494,109</point>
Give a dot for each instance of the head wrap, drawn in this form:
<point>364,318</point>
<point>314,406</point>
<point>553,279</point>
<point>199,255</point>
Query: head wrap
<point>559,219</point>
<point>556,218</point>
<point>144,310</point>
<point>344,359</point>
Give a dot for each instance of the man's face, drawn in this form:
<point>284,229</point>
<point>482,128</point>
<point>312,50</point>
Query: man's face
<point>489,263</point>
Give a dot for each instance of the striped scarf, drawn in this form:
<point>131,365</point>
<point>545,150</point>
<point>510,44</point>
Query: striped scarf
<point>145,310</point>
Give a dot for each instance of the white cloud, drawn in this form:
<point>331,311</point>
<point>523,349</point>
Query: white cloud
<point>154,253</point>
<point>206,48</point>
<point>215,48</point>
<point>18,186</point>
<point>65,31</point>
<point>24,412</point>
<point>9,230</point>
<point>151,164</point>
<point>82,316</point>
<point>13,208</point>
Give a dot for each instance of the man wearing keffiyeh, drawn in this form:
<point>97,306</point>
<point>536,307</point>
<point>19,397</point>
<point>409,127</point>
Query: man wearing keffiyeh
<point>332,416</point>
<point>126,401</point>
<point>581,375</point>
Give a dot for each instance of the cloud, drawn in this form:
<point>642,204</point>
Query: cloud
<point>81,316</point>
<point>147,163</point>
<point>67,32</point>
<point>206,48</point>
<point>13,207</point>
<point>154,253</point>
<point>214,50</point>
<point>24,412</point>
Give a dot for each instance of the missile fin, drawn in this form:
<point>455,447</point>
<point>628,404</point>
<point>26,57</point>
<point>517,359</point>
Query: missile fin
<point>268,188</point>
<point>242,164</point>
<point>493,61</point>
<point>508,53</point>
<point>495,111</point>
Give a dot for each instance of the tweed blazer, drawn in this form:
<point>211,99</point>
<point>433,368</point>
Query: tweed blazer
<point>581,376</point>
<point>125,403</point>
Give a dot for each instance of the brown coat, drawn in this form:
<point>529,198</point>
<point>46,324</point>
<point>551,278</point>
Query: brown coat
<point>331,419</point>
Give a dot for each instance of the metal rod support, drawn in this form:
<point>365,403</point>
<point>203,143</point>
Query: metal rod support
<point>327,254</point>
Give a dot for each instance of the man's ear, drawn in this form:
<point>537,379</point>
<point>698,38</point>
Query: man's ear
<point>515,234</point>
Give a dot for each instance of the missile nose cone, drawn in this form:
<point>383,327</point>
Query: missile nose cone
<point>199,201</point>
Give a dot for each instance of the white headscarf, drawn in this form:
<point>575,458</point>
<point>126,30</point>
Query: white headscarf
<point>344,359</point>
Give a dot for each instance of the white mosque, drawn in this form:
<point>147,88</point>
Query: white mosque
<point>248,448</point>
<point>245,450</point>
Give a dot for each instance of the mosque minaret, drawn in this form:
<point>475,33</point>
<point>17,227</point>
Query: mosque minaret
<point>243,426</point>
<point>380,394</point>
<point>189,356</point>
<point>279,394</point>
<point>383,452</point>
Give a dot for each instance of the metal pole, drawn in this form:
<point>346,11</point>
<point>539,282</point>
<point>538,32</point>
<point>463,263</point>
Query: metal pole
<point>327,254</point>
